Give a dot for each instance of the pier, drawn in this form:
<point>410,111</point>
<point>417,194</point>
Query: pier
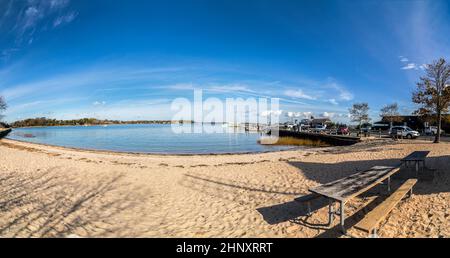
<point>335,140</point>
<point>4,132</point>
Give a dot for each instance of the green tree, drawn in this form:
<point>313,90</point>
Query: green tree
<point>433,92</point>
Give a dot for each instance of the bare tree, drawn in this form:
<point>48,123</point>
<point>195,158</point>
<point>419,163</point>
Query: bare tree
<point>359,113</point>
<point>3,106</point>
<point>433,92</point>
<point>390,113</point>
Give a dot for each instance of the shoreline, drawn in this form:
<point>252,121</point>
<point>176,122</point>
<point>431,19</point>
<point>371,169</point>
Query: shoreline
<point>293,148</point>
<point>362,144</point>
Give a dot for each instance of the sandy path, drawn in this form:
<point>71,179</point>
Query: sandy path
<point>49,191</point>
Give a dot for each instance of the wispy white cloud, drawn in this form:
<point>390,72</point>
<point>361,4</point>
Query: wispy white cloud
<point>230,88</point>
<point>267,113</point>
<point>7,11</point>
<point>150,109</point>
<point>298,94</point>
<point>99,103</point>
<point>324,92</point>
<point>31,17</point>
<point>58,4</point>
<point>181,86</point>
<point>6,54</point>
<point>33,106</point>
<point>336,116</point>
<point>343,93</point>
<point>57,83</point>
<point>403,59</point>
<point>307,114</point>
<point>423,66</point>
<point>105,85</point>
<point>96,78</point>
<point>410,66</point>
<point>22,20</point>
<point>328,114</point>
<point>333,101</point>
<point>64,19</point>
<point>423,34</point>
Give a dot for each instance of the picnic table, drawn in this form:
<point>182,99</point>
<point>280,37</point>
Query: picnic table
<point>345,189</point>
<point>416,157</point>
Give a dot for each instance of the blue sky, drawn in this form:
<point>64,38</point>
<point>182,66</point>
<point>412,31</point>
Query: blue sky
<point>129,59</point>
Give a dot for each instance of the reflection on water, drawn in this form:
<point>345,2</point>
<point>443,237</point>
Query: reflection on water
<point>41,134</point>
<point>148,138</point>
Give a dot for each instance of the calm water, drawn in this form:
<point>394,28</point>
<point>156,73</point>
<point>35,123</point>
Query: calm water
<point>145,139</point>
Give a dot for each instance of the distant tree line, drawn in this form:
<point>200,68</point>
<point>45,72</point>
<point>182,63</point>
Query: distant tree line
<point>43,121</point>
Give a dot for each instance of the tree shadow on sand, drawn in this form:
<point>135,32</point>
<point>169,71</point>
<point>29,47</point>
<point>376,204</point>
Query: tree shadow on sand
<point>233,190</point>
<point>51,204</point>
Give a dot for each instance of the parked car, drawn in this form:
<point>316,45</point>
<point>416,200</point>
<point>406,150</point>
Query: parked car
<point>304,127</point>
<point>343,129</point>
<point>289,125</point>
<point>432,130</point>
<point>366,129</point>
<point>404,132</point>
<point>319,128</point>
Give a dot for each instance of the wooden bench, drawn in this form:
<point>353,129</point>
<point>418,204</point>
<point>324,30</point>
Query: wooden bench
<point>416,157</point>
<point>345,189</point>
<point>371,220</point>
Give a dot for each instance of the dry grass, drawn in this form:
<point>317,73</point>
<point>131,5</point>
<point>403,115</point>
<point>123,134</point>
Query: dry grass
<point>291,141</point>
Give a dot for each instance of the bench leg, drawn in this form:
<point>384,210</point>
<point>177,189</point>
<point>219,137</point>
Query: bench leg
<point>309,208</point>
<point>342,213</point>
<point>417,170</point>
<point>330,212</point>
<point>389,184</point>
<point>410,193</point>
<point>374,233</point>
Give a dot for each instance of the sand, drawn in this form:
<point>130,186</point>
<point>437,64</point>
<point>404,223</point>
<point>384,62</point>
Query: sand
<point>57,192</point>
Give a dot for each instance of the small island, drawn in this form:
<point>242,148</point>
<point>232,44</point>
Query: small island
<point>43,121</point>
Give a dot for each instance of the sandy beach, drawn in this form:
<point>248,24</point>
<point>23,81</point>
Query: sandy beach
<point>56,192</point>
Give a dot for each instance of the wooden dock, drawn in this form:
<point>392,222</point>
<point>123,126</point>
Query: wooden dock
<point>4,132</point>
<point>335,140</point>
